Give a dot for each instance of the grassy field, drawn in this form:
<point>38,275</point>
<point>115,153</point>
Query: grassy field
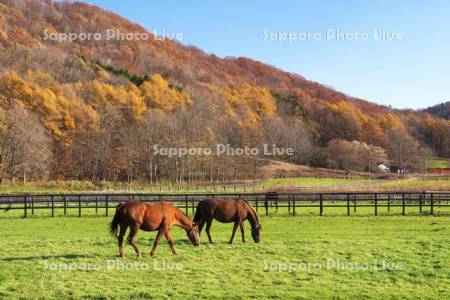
<point>314,182</point>
<point>331,257</point>
<point>414,184</point>
<point>274,184</point>
<point>440,163</point>
<point>61,187</point>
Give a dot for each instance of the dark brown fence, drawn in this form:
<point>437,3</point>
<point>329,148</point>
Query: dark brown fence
<point>265,203</point>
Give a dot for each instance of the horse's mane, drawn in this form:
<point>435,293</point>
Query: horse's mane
<point>252,210</point>
<point>183,214</point>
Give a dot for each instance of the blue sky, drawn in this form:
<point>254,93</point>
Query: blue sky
<point>412,70</point>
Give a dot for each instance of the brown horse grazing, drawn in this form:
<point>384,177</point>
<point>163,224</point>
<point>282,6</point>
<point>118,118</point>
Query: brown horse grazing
<point>227,211</point>
<point>159,216</point>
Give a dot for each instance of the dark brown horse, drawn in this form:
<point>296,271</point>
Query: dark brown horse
<point>160,216</point>
<point>227,211</point>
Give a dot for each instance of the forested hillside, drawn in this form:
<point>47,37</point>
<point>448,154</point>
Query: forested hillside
<point>94,109</point>
<point>441,110</point>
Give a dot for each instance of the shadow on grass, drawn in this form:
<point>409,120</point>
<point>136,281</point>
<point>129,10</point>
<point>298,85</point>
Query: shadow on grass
<point>44,257</point>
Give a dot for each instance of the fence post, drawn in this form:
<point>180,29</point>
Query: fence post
<point>79,205</point>
<point>420,202</point>
<point>266,205</point>
<point>65,205</point>
<point>289,203</point>
<point>32,205</point>
<point>389,203</point>
<point>107,205</point>
<point>53,205</point>
<point>293,205</point>
<point>96,204</point>
<point>186,203</point>
<point>403,204</point>
<point>354,202</point>
<point>376,204</point>
<point>25,207</point>
<point>348,204</point>
<point>257,204</point>
<point>431,204</point>
<point>321,203</point>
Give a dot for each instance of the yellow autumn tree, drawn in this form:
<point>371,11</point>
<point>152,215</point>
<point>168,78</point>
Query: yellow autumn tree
<point>250,103</point>
<point>157,93</point>
<point>40,93</point>
<point>127,99</point>
<point>391,121</point>
<point>13,89</point>
<point>259,100</point>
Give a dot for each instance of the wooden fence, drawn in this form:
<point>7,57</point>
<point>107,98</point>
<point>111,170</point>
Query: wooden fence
<point>293,203</point>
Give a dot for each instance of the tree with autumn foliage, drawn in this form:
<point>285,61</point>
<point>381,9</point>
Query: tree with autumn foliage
<point>25,148</point>
<point>103,106</point>
<point>158,93</point>
<point>354,155</point>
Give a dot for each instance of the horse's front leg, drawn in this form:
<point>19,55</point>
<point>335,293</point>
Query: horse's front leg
<point>236,224</point>
<point>208,228</point>
<point>169,240</point>
<point>200,226</point>
<point>242,231</point>
<point>157,239</point>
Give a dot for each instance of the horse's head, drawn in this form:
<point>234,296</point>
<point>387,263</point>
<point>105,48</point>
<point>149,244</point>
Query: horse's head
<point>255,233</point>
<point>193,235</point>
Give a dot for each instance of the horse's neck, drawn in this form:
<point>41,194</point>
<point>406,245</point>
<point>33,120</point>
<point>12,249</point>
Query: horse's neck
<point>183,220</point>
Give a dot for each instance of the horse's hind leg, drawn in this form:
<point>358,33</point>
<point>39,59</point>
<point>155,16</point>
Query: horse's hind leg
<point>123,229</point>
<point>208,227</point>
<point>242,231</point>
<point>236,224</point>
<point>169,240</point>
<point>157,239</point>
<point>132,237</point>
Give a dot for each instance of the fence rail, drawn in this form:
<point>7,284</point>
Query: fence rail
<point>347,203</point>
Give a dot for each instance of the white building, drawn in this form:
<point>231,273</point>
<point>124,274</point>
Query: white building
<point>383,168</point>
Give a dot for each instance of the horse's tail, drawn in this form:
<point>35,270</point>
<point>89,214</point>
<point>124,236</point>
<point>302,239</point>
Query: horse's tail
<point>115,221</point>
